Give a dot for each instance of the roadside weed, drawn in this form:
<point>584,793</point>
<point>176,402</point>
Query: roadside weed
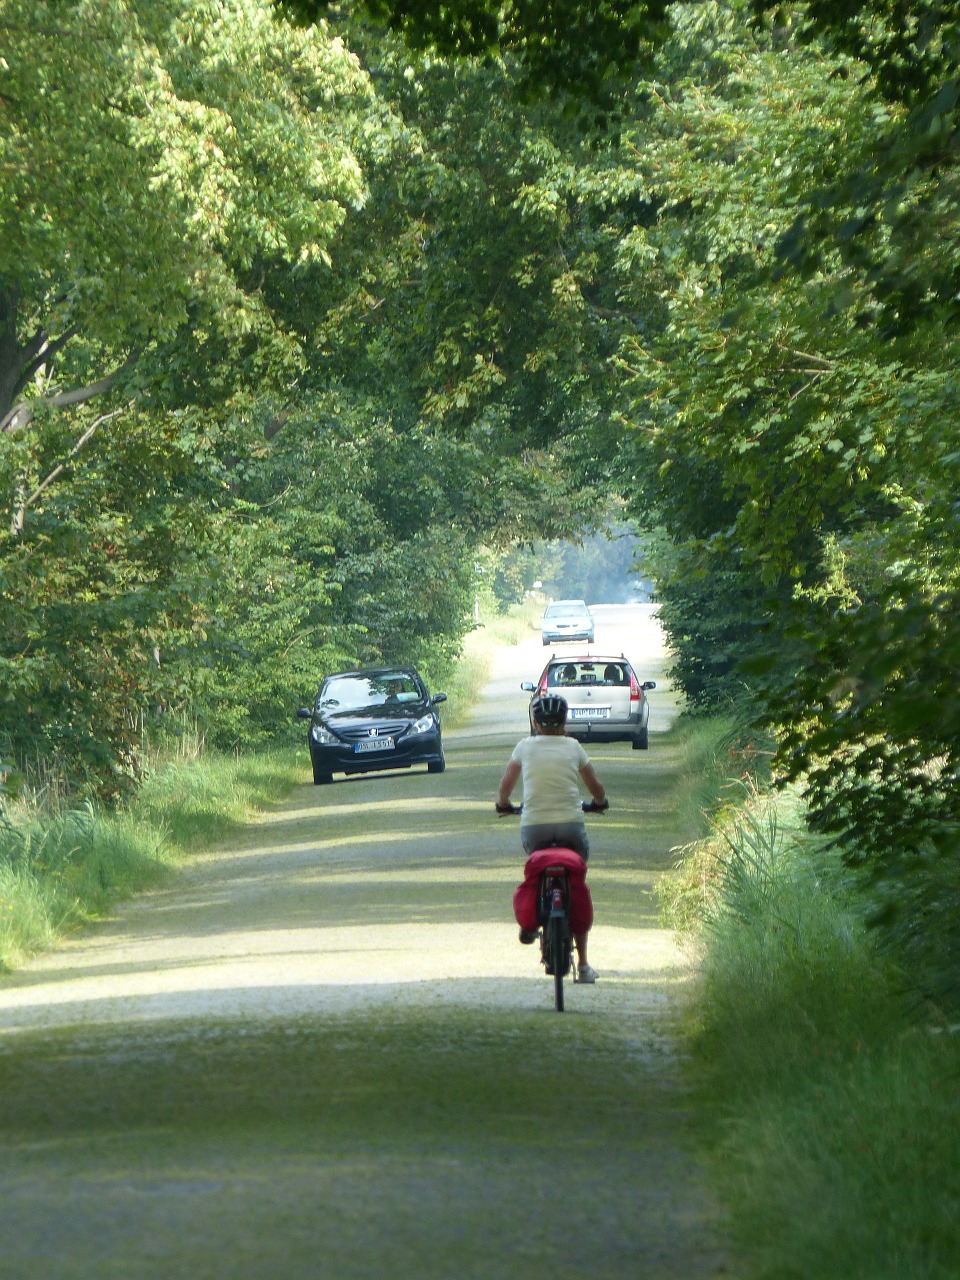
<point>831,1114</point>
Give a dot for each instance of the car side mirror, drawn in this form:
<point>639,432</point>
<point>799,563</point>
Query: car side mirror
<point>649,684</point>
<point>304,713</point>
<point>528,687</point>
<point>438,697</point>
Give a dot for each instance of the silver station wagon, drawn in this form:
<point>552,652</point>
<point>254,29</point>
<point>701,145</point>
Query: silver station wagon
<point>607,702</point>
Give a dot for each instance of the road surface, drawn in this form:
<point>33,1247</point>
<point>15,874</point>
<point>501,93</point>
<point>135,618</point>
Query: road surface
<point>322,1052</point>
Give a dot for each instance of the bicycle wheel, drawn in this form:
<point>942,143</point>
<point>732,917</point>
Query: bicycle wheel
<point>556,942</point>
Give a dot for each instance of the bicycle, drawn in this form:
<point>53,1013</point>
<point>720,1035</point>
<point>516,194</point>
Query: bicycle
<point>557,951</point>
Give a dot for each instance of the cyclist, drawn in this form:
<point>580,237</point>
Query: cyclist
<point>552,766</point>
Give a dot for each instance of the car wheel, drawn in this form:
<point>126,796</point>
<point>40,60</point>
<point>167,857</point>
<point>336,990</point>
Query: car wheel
<point>321,776</point>
<point>437,766</point>
<point>642,740</point>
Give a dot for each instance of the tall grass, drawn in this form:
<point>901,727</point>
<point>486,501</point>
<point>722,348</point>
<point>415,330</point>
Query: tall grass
<point>831,1116</point>
<point>195,800</point>
<point>719,765</point>
<point>61,866</point>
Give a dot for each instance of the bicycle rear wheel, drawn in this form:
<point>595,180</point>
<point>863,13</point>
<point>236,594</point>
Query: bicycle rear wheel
<point>556,943</point>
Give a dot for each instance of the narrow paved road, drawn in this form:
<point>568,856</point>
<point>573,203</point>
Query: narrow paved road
<point>323,1053</point>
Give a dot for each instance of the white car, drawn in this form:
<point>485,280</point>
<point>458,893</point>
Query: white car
<point>606,700</point>
<point>567,620</point>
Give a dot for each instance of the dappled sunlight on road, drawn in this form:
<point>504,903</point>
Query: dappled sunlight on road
<point>398,882</point>
<point>283,973</point>
<point>340,844</point>
<point>361,808</point>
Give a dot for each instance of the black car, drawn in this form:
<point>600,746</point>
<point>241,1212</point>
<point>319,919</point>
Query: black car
<point>383,718</point>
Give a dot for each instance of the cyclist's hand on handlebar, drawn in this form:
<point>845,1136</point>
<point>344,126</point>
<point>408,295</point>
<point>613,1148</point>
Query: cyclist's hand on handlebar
<point>596,806</point>
<point>504,809</point>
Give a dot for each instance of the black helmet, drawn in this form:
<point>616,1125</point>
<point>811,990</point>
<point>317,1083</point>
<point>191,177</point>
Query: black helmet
<point>549,710</point>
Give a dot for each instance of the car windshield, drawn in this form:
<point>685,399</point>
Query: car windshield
<point>566,609</point>
<point>351,693</point>
<point>579,673</point>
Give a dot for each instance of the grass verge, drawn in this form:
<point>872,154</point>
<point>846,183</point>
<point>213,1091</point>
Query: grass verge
<point>476,661</point>
<point>830,1113</point>
<point>62,867</point>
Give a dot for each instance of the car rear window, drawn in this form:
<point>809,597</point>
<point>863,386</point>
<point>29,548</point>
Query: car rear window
<point>578,673</point>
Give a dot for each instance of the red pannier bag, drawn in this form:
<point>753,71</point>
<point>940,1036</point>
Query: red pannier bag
<point>525,895</point>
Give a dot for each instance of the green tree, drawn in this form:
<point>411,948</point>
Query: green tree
<point>156,161</point>
<point>794,402</point>
<point>449,349</point>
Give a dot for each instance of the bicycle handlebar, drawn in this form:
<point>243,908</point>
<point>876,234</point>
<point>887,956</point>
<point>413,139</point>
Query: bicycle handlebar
<point>588,806</point>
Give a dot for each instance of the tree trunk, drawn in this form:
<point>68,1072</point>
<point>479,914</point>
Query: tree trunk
<point>11,355</point>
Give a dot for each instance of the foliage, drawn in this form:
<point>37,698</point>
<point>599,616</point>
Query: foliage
<point>598,567</point>
<point>567,46</point>
<point>909,45</point>
<point>796,456</point>
<point>126,320</point>
<point>450,363</point>
<point>713,613</point>
<point>172,109</point>
<point>468,325</point>
<point>273,436</point>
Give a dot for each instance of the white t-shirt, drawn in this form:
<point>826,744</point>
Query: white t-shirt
<point>550,768</point>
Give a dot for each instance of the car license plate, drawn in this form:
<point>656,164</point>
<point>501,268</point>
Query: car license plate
<point>374,744</point>
<point>589,713</point>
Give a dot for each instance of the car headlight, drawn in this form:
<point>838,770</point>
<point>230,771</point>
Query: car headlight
<point>323,736</point>
<point>424,725</point>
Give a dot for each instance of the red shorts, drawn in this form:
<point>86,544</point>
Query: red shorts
<point>525,896</point>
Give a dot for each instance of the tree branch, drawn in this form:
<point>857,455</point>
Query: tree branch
<point>275,425</point>
<point>58,470</point>
<point>21,415</point>
<point>297,638</point>
<point>38,352</point>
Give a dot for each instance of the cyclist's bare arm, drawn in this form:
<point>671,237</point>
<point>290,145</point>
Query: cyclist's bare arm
<point>511,776</point>
<point>593,783</point>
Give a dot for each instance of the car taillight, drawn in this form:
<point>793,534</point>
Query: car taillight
<point>635,691</point>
